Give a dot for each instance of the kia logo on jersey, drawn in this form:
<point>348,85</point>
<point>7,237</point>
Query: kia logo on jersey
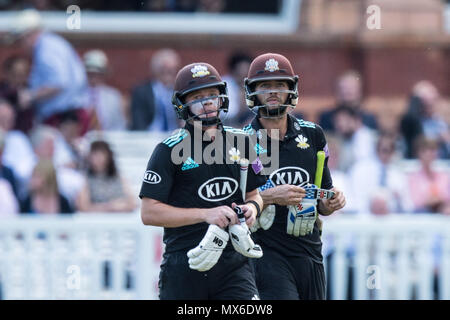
<point>217,189</point>
<point>152,177</point>
<point>289,175</point>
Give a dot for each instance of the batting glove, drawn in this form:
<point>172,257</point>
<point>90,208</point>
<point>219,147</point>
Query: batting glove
<point>207,253</point>
<point>301,218</point>
<point>265,219</point>
<point>242,242</point>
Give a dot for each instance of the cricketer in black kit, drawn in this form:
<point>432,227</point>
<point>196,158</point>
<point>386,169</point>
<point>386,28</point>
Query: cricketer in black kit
<point>288,228</point>
<point>194,199</point>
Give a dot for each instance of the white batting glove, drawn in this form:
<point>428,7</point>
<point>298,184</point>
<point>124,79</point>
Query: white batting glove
<point>301,218</point>
<point>265,219</point>
<point>207,253</point>
<point>242,242</point>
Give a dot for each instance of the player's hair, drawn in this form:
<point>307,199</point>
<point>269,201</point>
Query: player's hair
<point>103,146</point>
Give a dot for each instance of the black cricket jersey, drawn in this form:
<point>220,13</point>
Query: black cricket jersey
<point>194,183</point>
<point>297,166</point>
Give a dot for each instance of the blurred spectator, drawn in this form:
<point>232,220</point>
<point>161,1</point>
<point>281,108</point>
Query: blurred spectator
<point>106,190</point>
<point>17,153</point>
<point>348,94</point>
<point>105,103</point>
<point>151,102</point>
<point>44,196</point>
<point>379,187</point>
<point>185,5</point>
<point>47,5</point>
<point>8,201</point>
<point>15,71</point>
<point>254,6</point>
<point>6,173</point>
<point>233,6</point>
<point>211,6</point>
<point>357,140</point>
<point>429,187</point>
<point>158,5</point>
<point>423,118</point>
<point>238,113</point>
<point>340,178</point>
<point>49,145</point>
<point>69,142</point>
<point>57,81</point>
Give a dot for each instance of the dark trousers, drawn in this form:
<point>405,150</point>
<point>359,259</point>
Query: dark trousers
<point>231,278</point>
<point>289,278</point>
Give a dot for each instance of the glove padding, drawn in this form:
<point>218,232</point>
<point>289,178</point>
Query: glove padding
<point>242,242</point>
<point>301,218</point>
<point>265,219</point>
<point>207,253</point>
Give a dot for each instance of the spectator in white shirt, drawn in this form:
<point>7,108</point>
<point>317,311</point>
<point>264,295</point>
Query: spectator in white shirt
<point>358,140</point>
<point>238,113</point>
<point>48,144</point>
<point>378,185</point>
<point>104,102</point>
<point>340,178</point>
<point>8,202</point>
<point>17,153</point>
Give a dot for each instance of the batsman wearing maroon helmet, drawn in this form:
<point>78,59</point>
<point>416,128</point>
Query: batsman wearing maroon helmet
<point>205,215</point>
<point>287,228</point>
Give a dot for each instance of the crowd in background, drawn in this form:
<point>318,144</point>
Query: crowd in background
<point>50,97</point>
<point>207,6</point>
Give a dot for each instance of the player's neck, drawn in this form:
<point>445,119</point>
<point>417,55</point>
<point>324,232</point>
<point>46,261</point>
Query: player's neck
<point>280,124</point>
<point>210,132</point>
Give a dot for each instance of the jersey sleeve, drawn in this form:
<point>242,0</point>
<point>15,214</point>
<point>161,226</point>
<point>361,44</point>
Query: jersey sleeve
<point>159,175</point>
<point>327,182</point>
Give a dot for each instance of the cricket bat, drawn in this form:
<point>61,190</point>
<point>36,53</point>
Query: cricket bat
<point>318,179</point>
<point>243,185</point>
<point>243,179</point>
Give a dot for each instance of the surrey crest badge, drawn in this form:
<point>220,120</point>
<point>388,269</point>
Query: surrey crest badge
<point>271,65</point>
<point>199,71</point>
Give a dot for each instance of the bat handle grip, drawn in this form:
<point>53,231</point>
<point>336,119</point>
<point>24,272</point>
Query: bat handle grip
<point>240,214</point>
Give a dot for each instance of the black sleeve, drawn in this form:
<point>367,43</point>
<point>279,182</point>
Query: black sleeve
<point>327,182</point>
<point>255,178</point>
<point>159,176</point>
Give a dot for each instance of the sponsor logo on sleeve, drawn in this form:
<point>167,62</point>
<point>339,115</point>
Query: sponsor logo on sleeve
<point>152,177</point>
